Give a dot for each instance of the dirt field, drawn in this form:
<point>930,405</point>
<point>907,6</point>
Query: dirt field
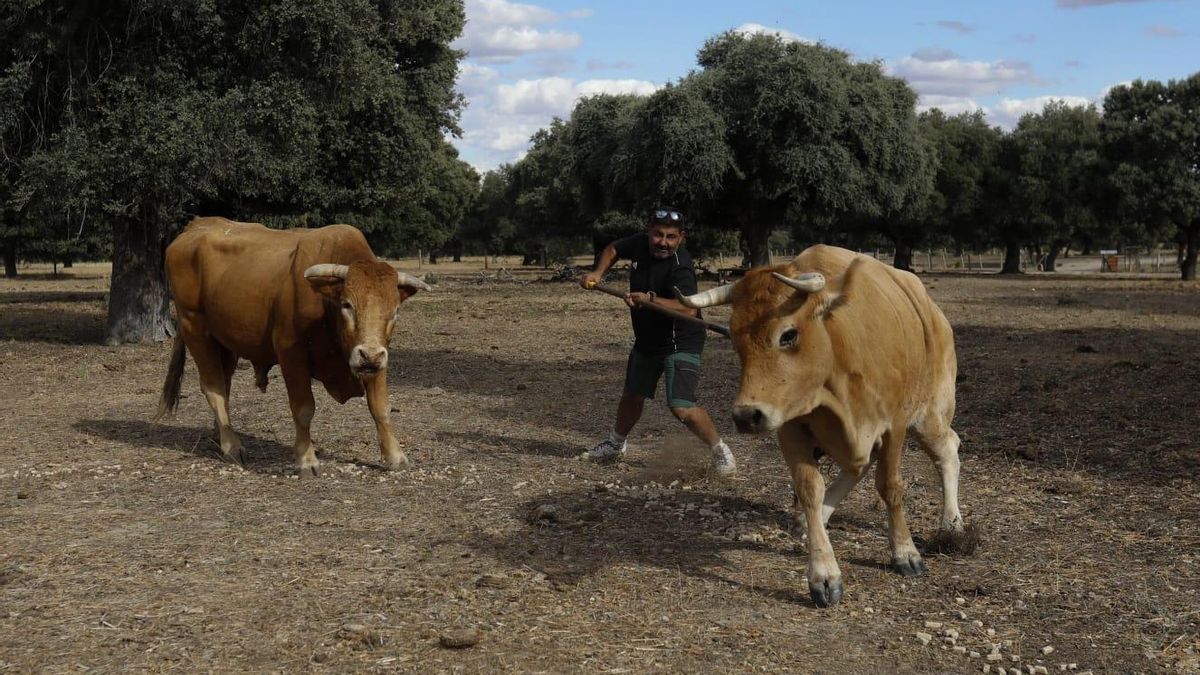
<point>125,545</point>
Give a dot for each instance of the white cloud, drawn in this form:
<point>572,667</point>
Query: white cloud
<point>1009,110</point>
<point>503,12</point>
<point>504,43</point>
<point>474,78</point>
<point>551,96</point>
<point>951,105</point>
<point>758,28</point>
<point>956,77</point>
<point>581,13</point>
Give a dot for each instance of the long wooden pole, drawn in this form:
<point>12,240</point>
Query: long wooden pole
<point>618,293</point>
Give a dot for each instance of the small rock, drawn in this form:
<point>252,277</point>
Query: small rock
<point>492,580</point>
<point>924,638</point>
<point>959,650</point>
<point>547,513</point>
<point>1041,670</point>
<point>960,601</point>
<point>1072,666</point>
<point>977,623</point>
<point>22,495</point>
<point>994,656</point>
<point>991,632</point>
<point>962,616</point>
<point>1014,671</point>
<point>974,655</point>
<point>1047,650</point>
<point>950,633</point>
<point>933,624</point>
<point>459,638</point>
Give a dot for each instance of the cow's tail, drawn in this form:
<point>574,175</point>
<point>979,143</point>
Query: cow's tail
<point>171,386</point>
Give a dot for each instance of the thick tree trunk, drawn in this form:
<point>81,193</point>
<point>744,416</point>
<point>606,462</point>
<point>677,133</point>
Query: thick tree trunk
<point>1012,258</point>
<point>1188,268</point>
<point>10,258</point>
<point>903,258</point>
<point>756,237</point>
<point>138,299</point>
<point>1052,256</point>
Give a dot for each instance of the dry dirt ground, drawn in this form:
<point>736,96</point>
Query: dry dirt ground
<point>125,545</point>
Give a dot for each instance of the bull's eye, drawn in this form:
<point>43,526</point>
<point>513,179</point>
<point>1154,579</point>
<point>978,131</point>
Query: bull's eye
<point>346,306</point>
<point>788,338</point>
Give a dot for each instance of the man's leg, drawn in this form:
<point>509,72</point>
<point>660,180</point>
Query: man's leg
<point>641,379</point>
<point>683,377</point>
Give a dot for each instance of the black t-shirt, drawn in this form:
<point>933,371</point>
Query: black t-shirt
<point>657,334</point>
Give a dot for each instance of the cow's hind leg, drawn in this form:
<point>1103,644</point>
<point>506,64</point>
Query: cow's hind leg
<point>905,558</point>
<point>381,407</point>
<point>941,445</point>
<point>300,399</point>
<point>211,359</point>
<point>824,575</point>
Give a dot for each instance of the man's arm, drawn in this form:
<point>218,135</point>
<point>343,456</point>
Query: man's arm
<point>607,257</point>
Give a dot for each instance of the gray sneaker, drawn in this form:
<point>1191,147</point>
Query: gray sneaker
<point>606,451</point>
<point>723,464</point>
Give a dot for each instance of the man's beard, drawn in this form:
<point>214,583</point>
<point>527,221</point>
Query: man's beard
<point>661,253</point>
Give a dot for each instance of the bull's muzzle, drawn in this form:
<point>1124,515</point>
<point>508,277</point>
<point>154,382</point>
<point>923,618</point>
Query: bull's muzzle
<point>367,361</point>
<point>750,419</point>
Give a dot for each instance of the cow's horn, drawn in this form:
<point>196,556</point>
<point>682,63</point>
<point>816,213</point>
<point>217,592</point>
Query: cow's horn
<point>809,282</point>
<point>721,295</point>
<point>409,281</point>
<point>327,270</point>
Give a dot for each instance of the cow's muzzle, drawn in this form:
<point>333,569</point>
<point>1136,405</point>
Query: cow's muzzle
<point>750,419</point>
<point>368,361</point>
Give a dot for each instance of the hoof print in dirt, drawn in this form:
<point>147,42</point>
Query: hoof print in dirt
<point>360,636</point>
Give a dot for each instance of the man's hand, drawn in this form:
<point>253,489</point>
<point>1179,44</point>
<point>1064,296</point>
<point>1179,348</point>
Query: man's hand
<point>632,299</point>
<point>589,280</point>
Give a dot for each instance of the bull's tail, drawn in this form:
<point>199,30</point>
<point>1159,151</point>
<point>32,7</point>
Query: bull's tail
<point>171,386</point>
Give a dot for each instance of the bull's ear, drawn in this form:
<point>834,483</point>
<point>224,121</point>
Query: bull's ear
<point>410,283</point>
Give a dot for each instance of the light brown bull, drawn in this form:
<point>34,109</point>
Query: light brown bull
<point>844,354</point>
<point>316,302</point>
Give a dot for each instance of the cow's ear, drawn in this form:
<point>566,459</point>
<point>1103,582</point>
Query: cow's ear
<point>840,291</point>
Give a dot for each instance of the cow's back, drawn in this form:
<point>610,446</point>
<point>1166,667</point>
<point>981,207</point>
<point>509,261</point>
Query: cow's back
<point>888,329</point>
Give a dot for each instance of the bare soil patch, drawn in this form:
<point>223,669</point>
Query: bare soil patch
<point>126,545</point>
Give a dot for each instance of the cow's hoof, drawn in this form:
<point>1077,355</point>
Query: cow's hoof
<point>235,456</point>
<point>309,471</point>
<point>909,566</point>
<point>825,592</point>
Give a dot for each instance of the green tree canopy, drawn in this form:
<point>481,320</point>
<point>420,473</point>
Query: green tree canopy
<point>1152,142</point>
<point>139,112</point>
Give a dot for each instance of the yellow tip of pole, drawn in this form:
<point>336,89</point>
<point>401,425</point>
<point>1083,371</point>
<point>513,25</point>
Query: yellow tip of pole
<point>591,284</point>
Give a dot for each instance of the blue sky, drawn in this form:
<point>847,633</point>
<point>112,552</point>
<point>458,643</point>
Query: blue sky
<point>529,62</point>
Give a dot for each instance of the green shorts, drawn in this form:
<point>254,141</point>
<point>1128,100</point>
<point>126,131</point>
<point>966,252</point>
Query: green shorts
<point>683,376</point>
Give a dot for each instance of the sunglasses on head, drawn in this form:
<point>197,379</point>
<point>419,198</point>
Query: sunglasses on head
<point>667,215</point>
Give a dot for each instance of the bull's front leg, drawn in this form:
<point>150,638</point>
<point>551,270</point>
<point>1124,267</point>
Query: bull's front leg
<point>380,406</point>
<point>824,575</point>
<point>300,400</point>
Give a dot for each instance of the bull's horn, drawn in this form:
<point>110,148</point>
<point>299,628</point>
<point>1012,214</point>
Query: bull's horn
<point>721,295</point>
<point>809,282</point>
<point>327,270</point>
<point>409,281</point>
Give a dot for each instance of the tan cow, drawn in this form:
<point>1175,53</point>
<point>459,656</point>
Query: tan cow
<point>316,302</point>
<point>844,354</point>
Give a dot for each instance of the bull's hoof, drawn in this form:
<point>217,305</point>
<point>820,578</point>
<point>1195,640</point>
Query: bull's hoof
<point>309,471</point>
<point>909,566</point>
<point>825,592</point>
<point>396,463</point>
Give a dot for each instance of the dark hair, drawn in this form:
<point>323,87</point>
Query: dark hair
<point>667,215</point>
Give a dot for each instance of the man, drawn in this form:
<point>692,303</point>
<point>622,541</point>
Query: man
<point>662,345</point>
